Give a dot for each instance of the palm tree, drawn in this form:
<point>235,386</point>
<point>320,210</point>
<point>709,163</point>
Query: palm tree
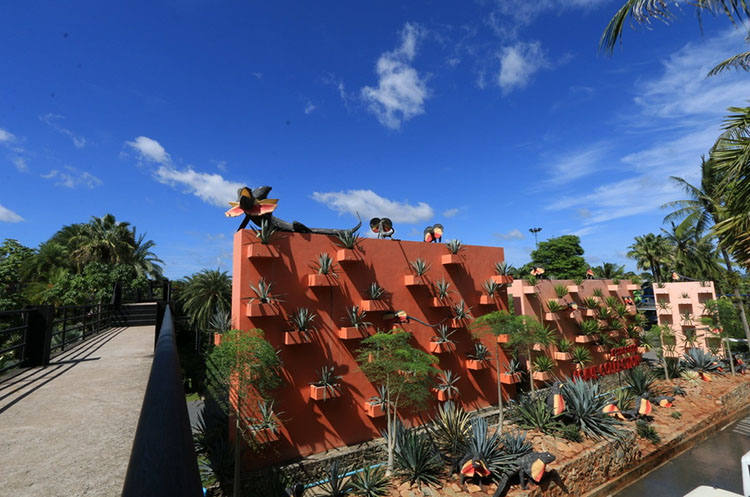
<point>145,262</point>
<point>608,271</point>
<point>651,253</point>
<point>102,239</point>
<point>705,208</point>
<point>203,294</point>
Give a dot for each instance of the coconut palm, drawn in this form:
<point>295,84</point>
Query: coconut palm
<point>102,239</point>
<point>145,262</point>
<point>609,271</point>
<point>203,294</point>
<point>651,253</point>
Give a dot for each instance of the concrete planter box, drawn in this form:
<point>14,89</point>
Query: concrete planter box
<point>259,251</point>
<point>217,338</point>
<point>503,338</point>
<point>441,347</point>
<point>528,290</point>
<point>266,435</point>
<point>373,305</point>
<point>351,333</point>
<point>258,309</point>
<point>320,280</point>
<point>436,302</point>
<point>323,393</point>
<point>475,365</point>
<point>442,395</point>
<point>586,338</point>
<point>510,379</point>
<point>588,313</point>
<point>541,376</point>
<point>563,356</point>
<point>296,337</point>
<point>449,259</point>
<point>346,255</point>
<point>374,410</point>
<point>487,300</point>
<point>502,279</point>
<point>613,288</point>
<point>572,288</point>
<point>413,280</point>
<point>632,287</point>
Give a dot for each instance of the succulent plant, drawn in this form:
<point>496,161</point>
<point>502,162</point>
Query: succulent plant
<point>564,345</point>
<point>265,232</point>
<point>581,355</point>
<point>589,327</point>
<point>302,319</point>
<point>417,459</point>
<point>370,482</point>
<point>454,246</point>
<point>543,364</point>
<point>503,268</point>
<point>375,291</point>
<point>348,239</point>
<point>488,448</point>
<point>514,366</point>
<point>591,303</point>
<point>639,380</point>
<point>531,279</point>
<point>577,281</point>
<point>561,291</point>
<point>461,311</point>
<point>515,443</point>
<point>328,380</point>
<point>532,413</point>
<point>450,429</point>
<point>585,404</point>
<point>337,484</point>
<point>701,361</point>
<point>480,352</point>
<point>419,266</point>
<point>324,265</point>
<point>611,301</point>
<point>356,317</point>
<point>555,306</point>
<point>443,334</point>
<point>263,292</point>
<point>447,383</point>
<point>597,292</point>
<point>491,288</point>
<point>442,287</point>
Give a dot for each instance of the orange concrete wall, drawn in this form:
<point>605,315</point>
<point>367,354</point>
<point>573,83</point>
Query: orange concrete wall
<point>677,305</point>
<point>532,300</point>
<point>313,426</point>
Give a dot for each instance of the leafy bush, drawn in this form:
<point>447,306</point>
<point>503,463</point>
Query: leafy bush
<point>584,407</point>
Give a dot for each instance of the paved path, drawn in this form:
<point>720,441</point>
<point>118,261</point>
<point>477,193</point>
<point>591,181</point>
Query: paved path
<point>67,429</point>
<point>714,462</point>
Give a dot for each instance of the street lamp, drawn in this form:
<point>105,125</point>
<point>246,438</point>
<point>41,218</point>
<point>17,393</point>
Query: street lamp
<point>535,231</point>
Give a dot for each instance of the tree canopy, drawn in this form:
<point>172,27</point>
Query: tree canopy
<point>561,257</point>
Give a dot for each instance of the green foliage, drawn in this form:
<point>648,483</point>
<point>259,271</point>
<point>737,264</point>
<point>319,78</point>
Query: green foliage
<point>324,265</point>
<point>645,430</point>
<point>420,266</point>
<point>503,268</point>
<point>561,291</point>
<point>302,319</point>
<point>450,428</point>
<point>701,361</point>
<point>581,355</point>
<point>262,292</point>
<point>266,232</point>
<point>336,484</point>
<point>577,280</point>
<point>442,288</point>
<point>569,432</point>
<point>375,291</point>
<point>532,413</point>
<point>443,334</point>
<point>589,327</point>
<point>489,448</point>
<point>554,306</point>
<point>461,311</point>
<point>13,256</point>
<point>564,345</point>
<point>676,414</point>
<point>640,380</point>
<point>515,443</point>
<point>561,257</point>
<point>202,294</point>
<point>356,317</point>
<point>584,407</point>
<point>454,246</point>
<point>544,363</point>
<point>370,482</point>
<point>591,303</point>
<point>417,459</point>
<point>348,239</point>
<point>447,383</point>
<point>623,398</point>
<point>491,288</point>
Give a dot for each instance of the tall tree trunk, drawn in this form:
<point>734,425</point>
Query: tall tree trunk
<point>499,389</point>
<point>743,316</point>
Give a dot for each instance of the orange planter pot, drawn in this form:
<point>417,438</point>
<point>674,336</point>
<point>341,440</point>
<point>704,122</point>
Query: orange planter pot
<point>631,287</point>
<point>373,305</point>
<point>487,300</point>
<point>257,310</point>
<point>503,338</point>
<point>441,347</point>
<point>322,393</point>
<point>502,279</point>
<point>413,280</point>
<point>442,395</point>
<point>436,302</point>
<point>510,379</point>
<point>346,255</point>
<point>539,376</point>
<point>374,410</point>
<point>572,288</point>
<point>449,259</point>
<point>259,251</point>
<point>475,365</point>
<point>563,356</point>
<point>551,316</point>
<point>613,288</point>
<point>351,333</point>
<point>296,337</point>
<point>459,323</point>
<point>585,338</point>
<point>588,313</point>
<point>318,280</point>
<point>602,349</point>
<point>528,290</point>
<point>217,338</point>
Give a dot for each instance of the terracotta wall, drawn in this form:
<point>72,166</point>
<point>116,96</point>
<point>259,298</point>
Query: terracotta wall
<point>532,300</point>
<point>311,426</point>
<point>679,298</point>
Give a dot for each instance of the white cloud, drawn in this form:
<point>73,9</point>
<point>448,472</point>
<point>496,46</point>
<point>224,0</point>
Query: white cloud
<point>401,92</point>
<point>211,188</point>
<point>514,234</point>
<point>519,63</point>
<point>149,150</point>
<point>6,136</point>
<point>451,212</point>
<point>20,163</point>
<point>51,120</point>
<point>369,204</point>
<point>72,178</point>
<point>310,107</point>
<point>8,216</point>
<point>571,166</point>
<point>509,16</point>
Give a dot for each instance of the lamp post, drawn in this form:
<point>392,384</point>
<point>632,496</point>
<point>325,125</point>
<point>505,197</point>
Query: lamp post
<point>535,231</point>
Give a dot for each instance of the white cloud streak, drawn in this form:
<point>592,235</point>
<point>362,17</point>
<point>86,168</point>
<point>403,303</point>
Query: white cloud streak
<point>401,92</point>
<point>51,120</point>
<point>369,204</point>
<point>518,64</point>
<point>514,234</point>
<point>449,213</point>
<point>8,216</point>
<point>73,178</point>
<point>6,136</point>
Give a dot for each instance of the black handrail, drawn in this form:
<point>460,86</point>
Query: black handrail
<point>163,460</point>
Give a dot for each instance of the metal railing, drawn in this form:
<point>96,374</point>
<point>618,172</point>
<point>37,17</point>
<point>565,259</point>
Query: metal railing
<point>75,323</point>
<point>162,461</point>
<point>14,333</point>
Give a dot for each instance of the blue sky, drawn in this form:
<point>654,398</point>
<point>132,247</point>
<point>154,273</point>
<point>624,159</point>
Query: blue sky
<point>489,117</point>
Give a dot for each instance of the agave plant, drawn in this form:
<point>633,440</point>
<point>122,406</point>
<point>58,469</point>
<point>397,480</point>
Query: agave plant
<point>585,404</point>
<point>503,268</point>
<point>442,288</point>
<point>461,311</point>
<point>454,246</point>
<point>581,355</point>
<point>589,327</point>
<point>597,292</point>
<point>450,429</point>
<point>687,318</point>
<point>604,314</point>
<point>220,322</point>
<point>639,381</point>
<point>564,345</point>
<point>514,366</point>
<point>684,295</point>
<point>544,364</point>
<point>348,239</point>
<point>491,288</point>
<point>337,484</point>
<point>375,291</point>
<point>325,265</point>
<point>328,380</point>
<point>554,306</point>
<point>561,291</point>
<point>663,305</point>
<point>447,383</point>
<point>265,232</point>
<point>488,448</point>
<point>621,310</point>
<point>577,281</point>
<point>645,430</point>
<point>701,362</point>
<point>532,413</point>
<point>302,319</point>
<point>624,397</point>
<point>420,266</point>
<point>263,292</point>
<point>443,334</point>
<point>417,459</point>
<point>531,279</point>
<point>370,482</point>
<point>267,418</point>
<point>591,303</point>
<point>480,352</point>
<point>356,317</point>
<point>611,301</point>
<point>515,443</point>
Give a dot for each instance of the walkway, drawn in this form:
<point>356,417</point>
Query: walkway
<point>714,462</point>
<point>67,429</point>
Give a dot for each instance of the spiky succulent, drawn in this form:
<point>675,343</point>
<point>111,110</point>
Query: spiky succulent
<point>417,459</point>
<point>584,405</point>
<point>348,239</point>
<point>480,352</point>
<point>532,413</point>
<point>461,311</point>
<point>591,303</point>
<point>544,364</point>
<point>356,317</point>
<point>443,334</point>
<point>324,264</point>
<point>554,306</point>
<point>450,429</point>
<point>447,382</point>
<point>581,355</point>
<point>503,268</point>
<point>263,292</point>
<point>639,380</point>
<point>265,232</point>
<point>701,361</point>
<point>489,448</point>
<point>564,345</point>
<point>491,287</point>
<point>337,484</point>
<point>442,288</point>
<point>302,319</point>
<point>370,482</point>
<point>561,291</point>
<point>515,443</point>
<point>454,246</point>
<point>420,266</point>
<point>375,291</point>
<point>589,327</point>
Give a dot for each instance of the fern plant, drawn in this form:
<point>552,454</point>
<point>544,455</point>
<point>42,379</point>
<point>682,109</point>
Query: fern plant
<point>419,266</point>
<point>454,246</point>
